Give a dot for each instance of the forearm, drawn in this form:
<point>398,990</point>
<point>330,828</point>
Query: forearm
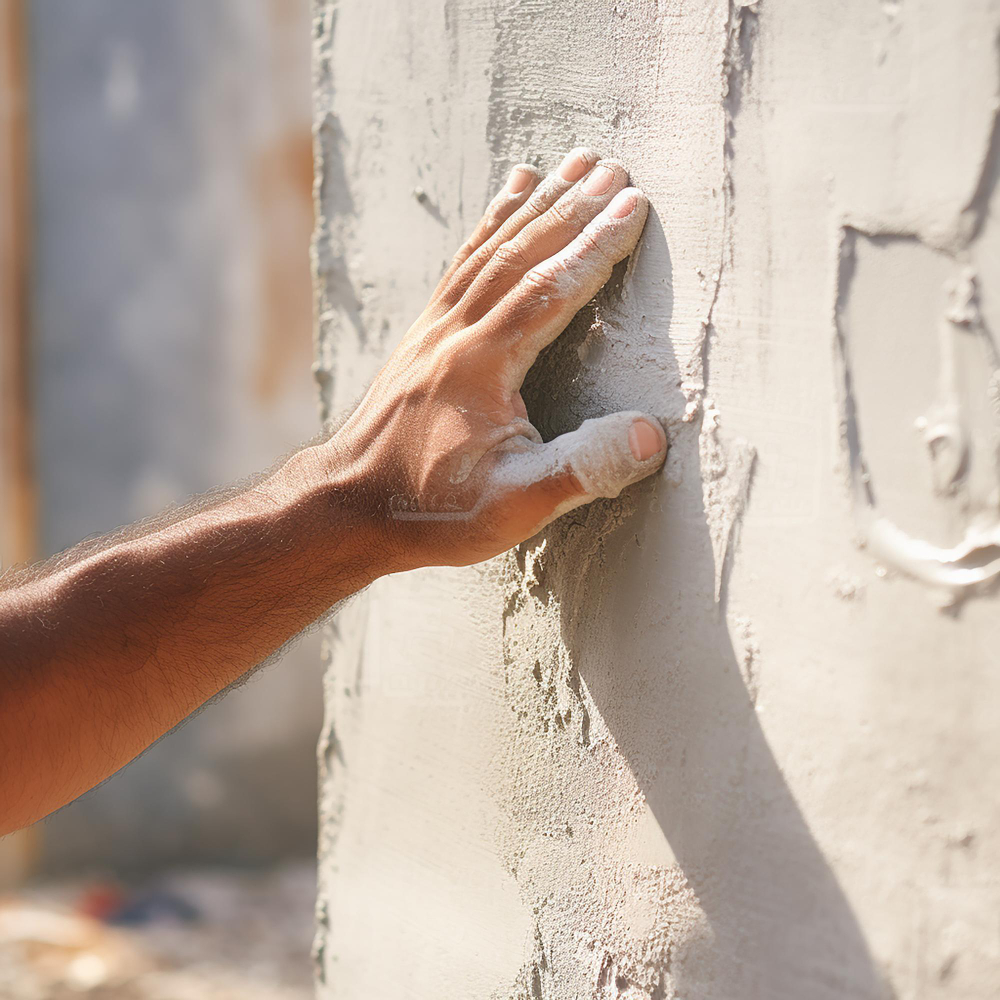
<point>106,651</point>
<point>111,646</point>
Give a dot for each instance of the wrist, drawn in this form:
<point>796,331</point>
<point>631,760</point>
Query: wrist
<point>331,501</point>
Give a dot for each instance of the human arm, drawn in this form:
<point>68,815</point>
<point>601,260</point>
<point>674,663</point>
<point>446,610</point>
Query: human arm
<point>111,645</point>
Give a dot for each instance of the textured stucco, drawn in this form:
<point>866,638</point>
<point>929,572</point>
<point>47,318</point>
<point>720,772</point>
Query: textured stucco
<point>727,736</point>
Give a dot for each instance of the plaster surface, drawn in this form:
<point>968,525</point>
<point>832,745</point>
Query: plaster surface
<point>717,738</point>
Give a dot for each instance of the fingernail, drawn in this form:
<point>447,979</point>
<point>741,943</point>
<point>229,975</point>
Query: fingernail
<point>622,205</point>
<point>599,181</point>
<point>644,440</point>
<point>574,165</point>
<point>518,180</point>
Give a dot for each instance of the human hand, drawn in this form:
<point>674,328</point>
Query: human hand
<point>440,449</point>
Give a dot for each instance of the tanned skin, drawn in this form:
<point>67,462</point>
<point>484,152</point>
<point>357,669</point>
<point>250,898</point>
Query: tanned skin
<point>109,646</point>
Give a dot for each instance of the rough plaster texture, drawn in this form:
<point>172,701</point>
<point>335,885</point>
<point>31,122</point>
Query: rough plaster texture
<point>732,735</point>
<point>172,162</point>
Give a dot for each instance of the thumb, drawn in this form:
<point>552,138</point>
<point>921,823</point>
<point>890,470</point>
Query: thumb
<point>599,459</point>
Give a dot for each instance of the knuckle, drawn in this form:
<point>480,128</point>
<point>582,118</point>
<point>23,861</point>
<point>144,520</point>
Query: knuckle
<point>564,213</point>
<point>494,217</point>
<point>544,195</point>
<point>477,261</point>
<point>510,256</point>
<point>454,269</point>
<point>542,282</point>
<point>466,264</point>
<point>592,248</point>
<point>590,244</point>
<point>509,230</point>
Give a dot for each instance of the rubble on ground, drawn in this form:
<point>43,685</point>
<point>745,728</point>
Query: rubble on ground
<point>187,935</point>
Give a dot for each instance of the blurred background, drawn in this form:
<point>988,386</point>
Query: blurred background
<point>155,341</point>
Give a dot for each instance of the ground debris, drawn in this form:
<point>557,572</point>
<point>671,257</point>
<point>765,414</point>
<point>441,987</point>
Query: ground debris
<point>247,937</point>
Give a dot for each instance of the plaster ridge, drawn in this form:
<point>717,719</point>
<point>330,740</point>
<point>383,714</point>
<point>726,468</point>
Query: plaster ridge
<point>972,565</point>
<point>336,301</point>
<point>726,467</point>
<point>974,213</point>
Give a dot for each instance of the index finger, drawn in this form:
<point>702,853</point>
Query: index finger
<point>533,313</point>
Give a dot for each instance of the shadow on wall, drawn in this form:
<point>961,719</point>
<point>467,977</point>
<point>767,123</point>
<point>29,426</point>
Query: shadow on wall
<point>669,686</point>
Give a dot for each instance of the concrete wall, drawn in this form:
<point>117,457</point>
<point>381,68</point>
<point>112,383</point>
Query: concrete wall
<point>734,734</point>
<point>171,354</point>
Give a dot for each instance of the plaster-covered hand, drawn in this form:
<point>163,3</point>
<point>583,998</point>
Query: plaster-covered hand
<point>441,443</point>
<point>107,646</point>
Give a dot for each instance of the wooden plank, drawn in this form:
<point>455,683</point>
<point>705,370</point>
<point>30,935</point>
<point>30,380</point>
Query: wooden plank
<point>18,489</point>
<point>18,492</point>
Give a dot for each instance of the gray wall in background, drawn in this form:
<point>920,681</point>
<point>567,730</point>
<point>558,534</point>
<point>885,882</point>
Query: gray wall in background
<point>172,354</point>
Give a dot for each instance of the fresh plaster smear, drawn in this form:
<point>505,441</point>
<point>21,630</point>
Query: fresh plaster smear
<point>693,741</point>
